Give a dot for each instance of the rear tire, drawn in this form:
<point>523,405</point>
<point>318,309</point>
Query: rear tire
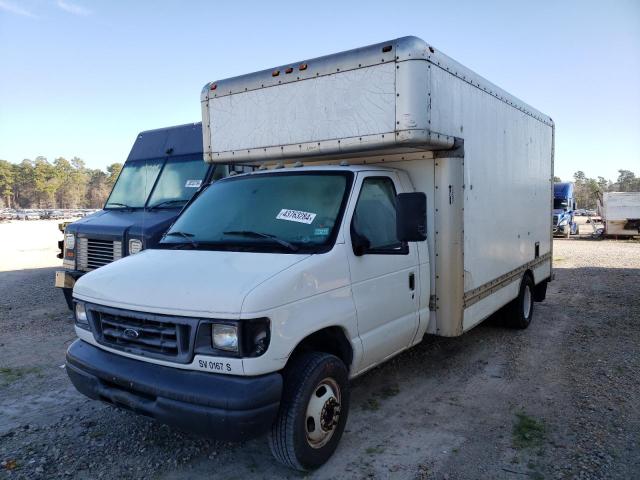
<point>520,311</point>
<point>313,411</point>
<point>540,291</point>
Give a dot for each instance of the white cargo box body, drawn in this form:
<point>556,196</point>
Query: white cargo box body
<point>483,157</point>
<point>619,208</point>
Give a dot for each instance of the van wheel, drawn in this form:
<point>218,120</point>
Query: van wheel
<point>313,411</point>
<point>520,311</point>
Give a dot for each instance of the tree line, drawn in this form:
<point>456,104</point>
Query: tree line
<point>62,184</point>
<point>588,191</point>
<point>70,184</point>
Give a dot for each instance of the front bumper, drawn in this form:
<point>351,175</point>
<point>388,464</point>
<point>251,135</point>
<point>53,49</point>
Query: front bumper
<point>67,278</point>
<point>224,407</point>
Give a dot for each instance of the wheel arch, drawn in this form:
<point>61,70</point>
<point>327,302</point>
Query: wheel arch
<point>332,340</point>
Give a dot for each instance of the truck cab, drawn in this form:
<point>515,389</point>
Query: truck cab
<point>564,206</point>
<point>164,170</point>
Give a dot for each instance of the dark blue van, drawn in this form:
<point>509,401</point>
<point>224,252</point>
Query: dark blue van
<point>564,206</point>
<point>164,170</point>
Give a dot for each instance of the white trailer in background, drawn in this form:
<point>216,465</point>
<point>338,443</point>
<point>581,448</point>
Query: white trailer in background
<point>370,223</point>
<point>620,213</point>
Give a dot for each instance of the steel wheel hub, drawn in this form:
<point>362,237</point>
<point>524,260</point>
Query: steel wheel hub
<point>527,302</point>
<point>323,413</point>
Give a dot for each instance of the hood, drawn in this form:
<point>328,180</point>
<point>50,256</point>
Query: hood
<point>182,282</point>
<point>117,224</point>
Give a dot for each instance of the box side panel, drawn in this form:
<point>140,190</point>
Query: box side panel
<point>507,177</point>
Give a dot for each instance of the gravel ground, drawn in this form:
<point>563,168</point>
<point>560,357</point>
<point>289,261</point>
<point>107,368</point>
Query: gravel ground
<point>558,400</point>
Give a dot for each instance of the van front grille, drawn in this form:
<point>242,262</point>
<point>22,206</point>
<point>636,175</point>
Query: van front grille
<point>142,334</point>
<point>93,253</point>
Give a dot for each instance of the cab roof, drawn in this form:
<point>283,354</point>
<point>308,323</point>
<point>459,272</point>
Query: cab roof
<point>173,141</point>
<point>563,190</point>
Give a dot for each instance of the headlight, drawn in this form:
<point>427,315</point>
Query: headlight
<point>135,246</point>
<point>563,222</point>
<point>69,241</point>
<point>81,316</point>
<point>225,337</point>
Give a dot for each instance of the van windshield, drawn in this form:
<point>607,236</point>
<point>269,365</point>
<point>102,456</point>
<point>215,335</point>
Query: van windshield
<point>560,203</point>
<point>275,212</point>
<point>175,184</point>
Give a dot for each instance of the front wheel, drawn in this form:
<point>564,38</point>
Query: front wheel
<point>520,311</point>
<point>313,411</point>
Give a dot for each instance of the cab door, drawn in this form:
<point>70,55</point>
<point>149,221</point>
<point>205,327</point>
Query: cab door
<point>384,273</point>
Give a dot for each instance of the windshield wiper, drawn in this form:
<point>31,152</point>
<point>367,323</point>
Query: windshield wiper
<point>252,234</point>
<point>186,235</point>
<point>167,202</point>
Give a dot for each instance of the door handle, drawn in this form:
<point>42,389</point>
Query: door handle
<point>412,281</point>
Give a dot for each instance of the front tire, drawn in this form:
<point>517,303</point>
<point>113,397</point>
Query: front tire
<point>520,311</point>
<point>313,411</point>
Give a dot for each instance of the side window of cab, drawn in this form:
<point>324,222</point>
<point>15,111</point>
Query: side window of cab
<point>374,217</point>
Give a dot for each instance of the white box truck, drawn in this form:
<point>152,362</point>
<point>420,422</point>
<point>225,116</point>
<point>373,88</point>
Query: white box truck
<point>368,225</point>
<point>621,213</point>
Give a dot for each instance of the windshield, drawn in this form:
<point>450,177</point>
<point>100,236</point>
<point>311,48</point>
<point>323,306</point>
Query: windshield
<point>284,212</point>
<point>560,203</point>
<point>178,181</point>
<point>134,184</point>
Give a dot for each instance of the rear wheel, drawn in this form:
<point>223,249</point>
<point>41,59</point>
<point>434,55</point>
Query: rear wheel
<point>520,311</point>
<point>313,411</point>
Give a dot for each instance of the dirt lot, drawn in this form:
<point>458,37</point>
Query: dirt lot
<point>559,400</point>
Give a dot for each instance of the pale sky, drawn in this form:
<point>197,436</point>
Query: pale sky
<point>82,78</point>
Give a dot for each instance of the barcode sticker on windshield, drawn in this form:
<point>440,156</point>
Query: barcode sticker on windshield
<point>193,184</point>
<point>296,216</point>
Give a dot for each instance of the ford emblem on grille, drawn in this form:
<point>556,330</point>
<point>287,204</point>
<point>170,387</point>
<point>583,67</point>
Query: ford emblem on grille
<point>131,333</point>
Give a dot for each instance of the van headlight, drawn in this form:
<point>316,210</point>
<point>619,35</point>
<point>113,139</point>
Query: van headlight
<point>69,241</point>
<point>563,222</point>
<point>248,338</point>
<point>81,318</point>
<point>135,245</point>
<point>225,337</point>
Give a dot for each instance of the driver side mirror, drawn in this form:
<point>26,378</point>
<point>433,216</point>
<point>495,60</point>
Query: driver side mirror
<point>411,217</point>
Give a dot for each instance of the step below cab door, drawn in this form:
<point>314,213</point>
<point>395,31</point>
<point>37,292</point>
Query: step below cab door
<point>384,271</point>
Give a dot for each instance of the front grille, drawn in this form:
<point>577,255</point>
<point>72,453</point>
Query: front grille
<point>555,219</point>
<point>143,334</point>
<point>93,253</point>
